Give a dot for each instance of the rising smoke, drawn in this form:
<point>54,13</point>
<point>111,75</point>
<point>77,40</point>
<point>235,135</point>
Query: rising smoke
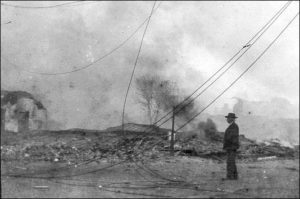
<point>59,40</point>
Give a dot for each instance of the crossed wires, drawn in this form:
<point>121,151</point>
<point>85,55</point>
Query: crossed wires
<point>268,22</point>
<point>248,46</point>
<point>251,65</point>
<point>283,30</point>
<point>150,184</point>
<point>280,11</point>
<point>139,186</point>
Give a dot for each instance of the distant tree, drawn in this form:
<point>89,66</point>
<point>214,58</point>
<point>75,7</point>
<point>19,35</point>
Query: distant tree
<point>157,96</point>
<point>152,91</point>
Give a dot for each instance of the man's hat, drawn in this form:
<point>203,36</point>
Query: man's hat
<point>231,115</point>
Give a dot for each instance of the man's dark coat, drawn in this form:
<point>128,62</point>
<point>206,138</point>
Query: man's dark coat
<point>231,137</point>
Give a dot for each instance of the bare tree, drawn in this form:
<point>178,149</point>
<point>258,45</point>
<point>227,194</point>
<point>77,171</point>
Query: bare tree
<point>158,96</point>
<point>153,95</point>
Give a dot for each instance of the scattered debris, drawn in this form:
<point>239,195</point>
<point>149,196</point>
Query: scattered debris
<point>266,158</point>
<point>41,187</point>
<point>75,148</point>
<point>211,147</point>
<point>292,169</point>
<point>253,167</point>
<point>17,167</point>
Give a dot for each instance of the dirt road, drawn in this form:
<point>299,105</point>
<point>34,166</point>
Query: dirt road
<point>273,178</point>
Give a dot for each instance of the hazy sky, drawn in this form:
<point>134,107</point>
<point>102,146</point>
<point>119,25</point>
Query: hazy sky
<point>185,42</point>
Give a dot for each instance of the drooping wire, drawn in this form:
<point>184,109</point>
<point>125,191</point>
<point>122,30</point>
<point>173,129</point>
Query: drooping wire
<point>189,186</point>
<point>98,169</point>
<point>90,64</point>
<point>230,66</point>
<point>26,175</point>
<point>47,7</point>
<point>134,67</point>
<point>266,49</point>
<point>105,188</point>
<point>241,74</point>
<point>248,45</point>
<point>263,30</point>
<point>232,82</point>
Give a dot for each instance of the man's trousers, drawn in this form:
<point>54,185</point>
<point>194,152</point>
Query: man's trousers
<point>231,166</point>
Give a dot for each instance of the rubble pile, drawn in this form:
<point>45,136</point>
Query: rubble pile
<point>212,147</point>
<point>53,152</point>
<point>268,150</point>
<point>136,147</point>
<point>10,153</point>
<point>201,148</point>
<point>79,147</point>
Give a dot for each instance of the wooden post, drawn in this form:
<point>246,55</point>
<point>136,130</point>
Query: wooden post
<point>172,134</point>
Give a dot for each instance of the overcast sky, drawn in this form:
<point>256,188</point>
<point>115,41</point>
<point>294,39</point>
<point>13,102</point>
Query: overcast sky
<point>185,42</point>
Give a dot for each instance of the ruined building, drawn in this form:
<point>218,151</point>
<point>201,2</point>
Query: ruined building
<point>21,112</point>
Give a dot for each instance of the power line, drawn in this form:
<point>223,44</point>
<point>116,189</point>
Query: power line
<point>151,171</point>
<point>256,60</point>
<point>156,184</point>
<point>248,45</point>
<point>103,168</point>
<point>25,175</point>
<point>154,173</point>
<point>266,27</point>
<point>242,73</point>
<point>46,7</point>
<point>136,60</point>
<point>33,175</point>
<point>105,188</point>
<point>237,53</point>
<point>90,64</point>
<point>253,62</point>
<point>188,186</point>
<point>30,175</point>
<point>262,31</point>
<point>239,76</point>
<point>184,185</point>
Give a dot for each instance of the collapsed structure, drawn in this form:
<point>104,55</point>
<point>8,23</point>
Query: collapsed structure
<point>21,112</point>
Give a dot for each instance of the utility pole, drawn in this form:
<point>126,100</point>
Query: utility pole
<point>172,134</point>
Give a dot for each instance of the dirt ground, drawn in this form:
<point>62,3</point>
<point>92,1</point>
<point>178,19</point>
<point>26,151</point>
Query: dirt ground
<point>260,179</point>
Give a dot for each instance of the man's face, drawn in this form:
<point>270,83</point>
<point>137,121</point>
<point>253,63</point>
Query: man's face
<point>229,120</point>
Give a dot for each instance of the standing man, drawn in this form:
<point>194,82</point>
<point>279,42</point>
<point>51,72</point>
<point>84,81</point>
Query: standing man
<point>231,144</point>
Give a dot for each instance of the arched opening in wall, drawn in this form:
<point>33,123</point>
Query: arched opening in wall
<point>23,122</point>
